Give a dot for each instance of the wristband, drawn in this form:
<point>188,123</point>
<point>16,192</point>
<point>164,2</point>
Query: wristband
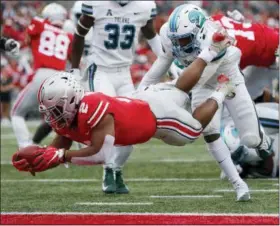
<point>207,55</point>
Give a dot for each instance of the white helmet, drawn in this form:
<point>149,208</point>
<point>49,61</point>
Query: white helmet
<point>76,11</point>
<point>184,24</point>
<point>122,2</point>
<point>59,97</point>
<point>55,13</point>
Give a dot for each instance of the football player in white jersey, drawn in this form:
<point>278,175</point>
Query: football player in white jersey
<point>114,28</point>
<point>185,34</point>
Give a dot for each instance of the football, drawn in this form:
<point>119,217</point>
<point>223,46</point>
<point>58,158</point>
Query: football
<point>28,153</point>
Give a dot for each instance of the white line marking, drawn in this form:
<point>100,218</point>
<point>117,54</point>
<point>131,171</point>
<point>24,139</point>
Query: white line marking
<point>94,180</point>
<point>182,160</point>
<point>143,214</point>
<point>276,185</point>
<point>114,203</point>
<point>253,190</point>
<point>186,196</point>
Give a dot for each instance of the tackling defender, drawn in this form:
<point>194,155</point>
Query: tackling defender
<point>183,37</point>
<point>114,27</point>
<point>51,47</point>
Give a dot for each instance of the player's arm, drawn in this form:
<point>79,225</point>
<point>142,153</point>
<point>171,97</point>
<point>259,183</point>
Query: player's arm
<point>61,142</point>
<point>102,138</point>
<point>84,24</point>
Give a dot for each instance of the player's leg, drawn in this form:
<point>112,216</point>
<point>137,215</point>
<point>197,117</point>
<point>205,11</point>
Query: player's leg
<point>243,112</point>
<point>216,146</point>
<point>124,86</point>
<point>26,100</point>
<point>42,131</point>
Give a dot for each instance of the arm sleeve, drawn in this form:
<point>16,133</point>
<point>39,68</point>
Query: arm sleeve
<point>155,44</point>
<point>88,8</point>
<point>159,68</point>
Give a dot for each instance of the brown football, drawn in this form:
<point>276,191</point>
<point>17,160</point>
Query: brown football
<point>27,153</point>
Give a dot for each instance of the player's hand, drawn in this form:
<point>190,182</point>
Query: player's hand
<point>220,41</point>
<point>51,158</point>
<point>12,46</point>
<point>175,71</point>
<point>236,15</point>
<point>22,165</point>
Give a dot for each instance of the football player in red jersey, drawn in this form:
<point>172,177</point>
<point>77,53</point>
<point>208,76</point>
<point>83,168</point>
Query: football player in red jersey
<point>101,121</point>
<point>257,42</point>
<point>51,47</point>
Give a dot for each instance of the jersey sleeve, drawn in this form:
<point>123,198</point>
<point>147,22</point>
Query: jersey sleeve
<point>36,26</point>
<point>92,109</point>
<point>165,41</point>
<point>89,8</point>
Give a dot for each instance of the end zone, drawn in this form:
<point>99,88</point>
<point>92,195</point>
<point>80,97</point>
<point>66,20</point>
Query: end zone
<point>70,218</point>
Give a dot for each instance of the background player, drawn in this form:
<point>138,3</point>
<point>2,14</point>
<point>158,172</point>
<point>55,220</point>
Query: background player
<point>51,47</point>
<point>114,27</point>
<point>10,45</point>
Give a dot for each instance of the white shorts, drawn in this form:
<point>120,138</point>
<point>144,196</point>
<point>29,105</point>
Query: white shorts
<point>175,125</point>
<point>110,81</point>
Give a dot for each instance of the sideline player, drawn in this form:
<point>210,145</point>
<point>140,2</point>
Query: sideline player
<point>114,28</point>
<point>101,121</point>
<point>183,36</point>
<point>51,47</point>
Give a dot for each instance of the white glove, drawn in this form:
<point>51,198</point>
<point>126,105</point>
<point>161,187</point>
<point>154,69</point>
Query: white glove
<point>236,15</point>
<point>12,47</point>
<point>220,41</point>
<point>175,71</point>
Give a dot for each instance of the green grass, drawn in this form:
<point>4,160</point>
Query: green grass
<point>145,162</point>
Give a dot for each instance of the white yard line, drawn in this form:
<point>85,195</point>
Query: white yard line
<point>185,196</point>
<point>251,190</point>
<point>114,203</point>
<point>276,185</point>
<point>94,180</point>
<point>182,160</point>
<point>143,214</point>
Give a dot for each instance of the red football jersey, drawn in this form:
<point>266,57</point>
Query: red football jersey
<point>257,42</point>
<point>50,45</point>
<point>134,121</point>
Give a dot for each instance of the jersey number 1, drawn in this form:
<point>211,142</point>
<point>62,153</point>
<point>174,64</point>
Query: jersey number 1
<point>114,36</point>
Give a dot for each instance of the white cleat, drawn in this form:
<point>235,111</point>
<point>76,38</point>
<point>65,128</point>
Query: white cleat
<point>242,191</point>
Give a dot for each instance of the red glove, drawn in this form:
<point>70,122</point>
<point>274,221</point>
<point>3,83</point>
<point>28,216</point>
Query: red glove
<point>21,165</point>
<point>51,158</point>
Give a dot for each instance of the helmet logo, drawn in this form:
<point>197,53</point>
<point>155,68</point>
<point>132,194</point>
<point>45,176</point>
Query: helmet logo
<point>197,17</point>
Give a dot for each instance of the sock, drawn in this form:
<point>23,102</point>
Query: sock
<point>221,153</point>
<point>121,156</point>
<point>42,131</point>
<point>21,131</point>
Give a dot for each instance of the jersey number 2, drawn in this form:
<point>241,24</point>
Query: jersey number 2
<point>54,45</point>
<point>114,36</point>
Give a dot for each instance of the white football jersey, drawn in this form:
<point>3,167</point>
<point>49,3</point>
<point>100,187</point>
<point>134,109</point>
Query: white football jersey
<point>116,29</point>
<point>227,64</point>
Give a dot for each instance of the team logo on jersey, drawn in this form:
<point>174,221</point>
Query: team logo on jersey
<point>109,12</point>
<point>197,17</point>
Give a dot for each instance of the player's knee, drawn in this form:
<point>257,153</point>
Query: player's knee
<point>250,140</point>
<point>211,138</point>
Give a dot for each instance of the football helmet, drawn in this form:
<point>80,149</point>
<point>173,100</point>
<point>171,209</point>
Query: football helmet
<point>59,97</point>
<point>76,11</point>
<point>183,26</point>
<point>55,13</point>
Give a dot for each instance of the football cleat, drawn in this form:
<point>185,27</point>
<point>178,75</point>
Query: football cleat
<point>121,188</point>
<point>242,191</point>
<point>108,185</point>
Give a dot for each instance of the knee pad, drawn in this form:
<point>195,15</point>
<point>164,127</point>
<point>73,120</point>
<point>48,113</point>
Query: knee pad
<point>250,140</point>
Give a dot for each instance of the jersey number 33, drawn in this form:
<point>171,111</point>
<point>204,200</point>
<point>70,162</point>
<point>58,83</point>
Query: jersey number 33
<point>115,31</point>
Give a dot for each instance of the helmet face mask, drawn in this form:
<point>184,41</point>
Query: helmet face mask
<point>184,24</point>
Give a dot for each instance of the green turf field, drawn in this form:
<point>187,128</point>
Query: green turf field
<point>161,178</point>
